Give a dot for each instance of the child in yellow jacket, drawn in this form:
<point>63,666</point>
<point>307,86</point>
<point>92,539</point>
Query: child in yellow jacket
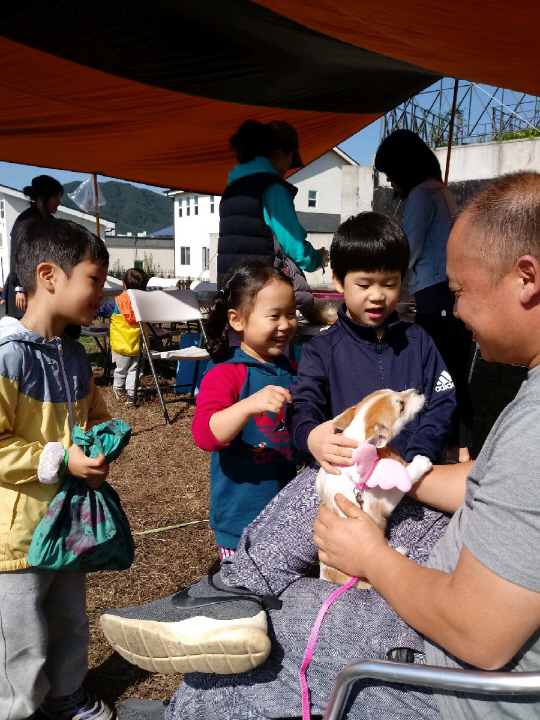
<point>126,335</point>
<point>46,387</point>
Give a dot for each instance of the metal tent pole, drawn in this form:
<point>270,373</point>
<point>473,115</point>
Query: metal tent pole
<point>97,204</point>
<point>451,131</point>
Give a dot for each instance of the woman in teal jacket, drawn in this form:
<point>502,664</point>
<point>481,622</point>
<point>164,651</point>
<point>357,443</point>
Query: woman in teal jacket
<point>257,215</point>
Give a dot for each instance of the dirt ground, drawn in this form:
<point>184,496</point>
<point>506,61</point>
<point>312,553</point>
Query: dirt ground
<point>163,480</point>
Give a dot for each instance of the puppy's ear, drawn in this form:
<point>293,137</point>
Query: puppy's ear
<point>379,435</point>
<point>341,422</point>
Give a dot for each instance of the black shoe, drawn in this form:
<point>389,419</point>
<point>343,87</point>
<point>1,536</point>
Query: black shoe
<point>200,629</point>
<point>135,709</point>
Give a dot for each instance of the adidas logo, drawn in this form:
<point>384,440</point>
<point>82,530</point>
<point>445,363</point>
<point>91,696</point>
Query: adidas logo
<point>445,382</point>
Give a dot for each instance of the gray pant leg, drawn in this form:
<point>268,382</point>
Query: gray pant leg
<point>43,638</point>
<point>125,374</point>
<point>69,635</point>
<point>120,371</point>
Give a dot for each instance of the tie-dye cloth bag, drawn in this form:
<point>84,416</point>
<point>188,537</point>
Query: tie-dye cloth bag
<point>86,530</point>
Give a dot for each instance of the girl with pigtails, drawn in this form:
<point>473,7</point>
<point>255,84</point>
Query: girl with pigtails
<point>240,410</point>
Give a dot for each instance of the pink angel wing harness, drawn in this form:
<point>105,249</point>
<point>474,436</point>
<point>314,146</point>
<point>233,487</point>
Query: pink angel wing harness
<point>368,471</point>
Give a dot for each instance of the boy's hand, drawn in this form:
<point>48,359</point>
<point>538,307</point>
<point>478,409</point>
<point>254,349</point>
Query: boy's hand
<point>92,470</point>
<point>20,301</point>
<point>328,446</point>
<point>269,399</point>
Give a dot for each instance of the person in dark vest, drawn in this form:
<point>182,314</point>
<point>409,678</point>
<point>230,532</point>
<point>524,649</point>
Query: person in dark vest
<point>45,194</point>
<point>257,215</point>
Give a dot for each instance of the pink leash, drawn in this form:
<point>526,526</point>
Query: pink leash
<point>312,642</point>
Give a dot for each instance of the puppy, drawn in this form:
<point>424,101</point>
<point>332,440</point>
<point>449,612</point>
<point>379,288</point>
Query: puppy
<point>371,483</point>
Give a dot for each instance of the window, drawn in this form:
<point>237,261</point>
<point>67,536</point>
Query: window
<point>188,209</point>
<point>211,204</point>
<point>205,258</point>
<point>180,207</point>
<point>184,256</point>
<point>312,198</point>
<point>196,203</point>
<point>1,209</point>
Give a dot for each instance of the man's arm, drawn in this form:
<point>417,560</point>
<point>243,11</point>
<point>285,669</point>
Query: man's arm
<point>473,613</point>
<point>443,487</point>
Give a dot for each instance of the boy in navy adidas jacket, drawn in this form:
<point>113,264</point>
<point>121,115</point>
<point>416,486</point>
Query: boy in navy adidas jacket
<point>367,349</point>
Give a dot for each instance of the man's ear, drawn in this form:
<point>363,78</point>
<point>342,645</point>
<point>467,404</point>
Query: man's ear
<point>337,283</point>
<point>46,275</point>
<point>528,271</point>
<point>235,320</point>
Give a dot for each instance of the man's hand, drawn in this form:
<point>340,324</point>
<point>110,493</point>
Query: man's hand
<point>347,543</point>
<point>92,470</point>
<point>269,399</point>
<point>328,446</point>
<point>20,301</point>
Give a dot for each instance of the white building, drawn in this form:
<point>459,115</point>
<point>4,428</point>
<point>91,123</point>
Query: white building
<point>13,203</point>
<point>196,217</point>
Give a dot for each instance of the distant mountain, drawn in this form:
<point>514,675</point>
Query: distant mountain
<point>133,209</point>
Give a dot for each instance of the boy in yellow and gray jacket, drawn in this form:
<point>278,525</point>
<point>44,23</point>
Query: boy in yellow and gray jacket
<point>46,387</point>
<point>125,336</point>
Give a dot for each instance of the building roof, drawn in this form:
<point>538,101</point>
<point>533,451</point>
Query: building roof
<point>166,232</point>
<point>141,241</point>
<point>314,222</point>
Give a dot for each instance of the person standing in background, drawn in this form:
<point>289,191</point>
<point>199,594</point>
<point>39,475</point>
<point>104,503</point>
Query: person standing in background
<point>413,170</point>
<point>45,194</point>
<point>257,214</point>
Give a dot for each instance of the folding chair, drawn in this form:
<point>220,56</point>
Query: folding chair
<point>163,306</point>
<point>470,681</point>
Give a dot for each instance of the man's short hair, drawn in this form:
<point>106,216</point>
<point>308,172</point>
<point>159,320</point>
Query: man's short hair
<point>504,222</point>
<point>61,242</point>
<point>370,242</point>
<point>135,279</point>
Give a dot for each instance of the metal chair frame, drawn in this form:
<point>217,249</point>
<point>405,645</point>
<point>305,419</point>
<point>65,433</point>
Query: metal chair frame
<point>473,681</point>
<point>188,311</point>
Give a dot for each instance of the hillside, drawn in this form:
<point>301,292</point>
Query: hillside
<point>133,209</point>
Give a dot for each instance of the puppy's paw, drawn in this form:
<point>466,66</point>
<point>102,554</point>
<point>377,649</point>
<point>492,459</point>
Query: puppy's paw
<point>419,466</point>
